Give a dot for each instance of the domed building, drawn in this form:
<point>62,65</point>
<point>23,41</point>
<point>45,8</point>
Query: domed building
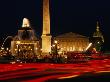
<point>25,44</point>
<point>97,39</point>
<point>98,33</point>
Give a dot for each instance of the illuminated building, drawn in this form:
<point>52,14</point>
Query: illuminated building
<point>25,43</point>
<point>98,33</point>
<point>97,39</point>
<point>67,42</point>
<point>72,42</point>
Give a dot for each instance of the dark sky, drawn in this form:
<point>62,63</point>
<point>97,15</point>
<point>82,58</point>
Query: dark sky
<point>77,16</point>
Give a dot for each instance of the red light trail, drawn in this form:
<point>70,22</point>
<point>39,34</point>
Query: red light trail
<point>41,72</point>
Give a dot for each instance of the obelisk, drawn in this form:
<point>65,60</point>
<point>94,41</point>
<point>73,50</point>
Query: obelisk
<point>46,36</point>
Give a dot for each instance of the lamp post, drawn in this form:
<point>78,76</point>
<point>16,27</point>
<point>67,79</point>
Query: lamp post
<point>54,51</point>
<point>54,48</point>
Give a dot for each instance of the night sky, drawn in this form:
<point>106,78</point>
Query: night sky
<point>77,16</point>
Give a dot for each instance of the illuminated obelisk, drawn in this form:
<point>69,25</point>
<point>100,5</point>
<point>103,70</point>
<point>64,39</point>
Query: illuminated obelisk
<point>46,36</point>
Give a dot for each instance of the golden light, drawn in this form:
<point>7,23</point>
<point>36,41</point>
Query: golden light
<point>90,44</point>
<point>15,49</point>
<point>2,48</point>
<point>60,52</point>
<point>94,49</point>
<point>18,42</point>
<point>7,48</point>
<point>58,46</point>
<point>53,45</point>
<point>80,49</point>
<point>13,62</point>
<point>68,77</point>
<point>55,42</point>
<point>36,48</point>
<point>26,23</point>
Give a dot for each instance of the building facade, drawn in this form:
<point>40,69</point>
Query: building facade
<point>25,44</point>
<point>72,42</point>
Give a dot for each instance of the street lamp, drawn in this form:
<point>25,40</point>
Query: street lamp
<point>55,42</point>
<point>54,48</point>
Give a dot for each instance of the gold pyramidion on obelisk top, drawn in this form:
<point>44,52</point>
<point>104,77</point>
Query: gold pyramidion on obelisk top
<point>26,22</point>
